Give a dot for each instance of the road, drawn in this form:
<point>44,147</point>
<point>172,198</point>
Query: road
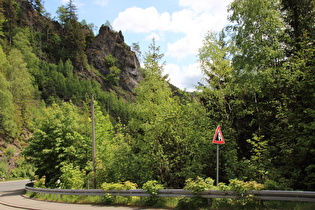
<point>12,198</point>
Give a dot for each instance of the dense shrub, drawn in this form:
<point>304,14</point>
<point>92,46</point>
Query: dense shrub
<point>108,199</point>
<point>152,187</point>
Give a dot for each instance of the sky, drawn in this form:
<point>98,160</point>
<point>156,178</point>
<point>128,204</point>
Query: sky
<point>178,27</point>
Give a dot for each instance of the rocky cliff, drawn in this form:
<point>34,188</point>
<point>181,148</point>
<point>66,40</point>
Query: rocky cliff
<point>111,43</point>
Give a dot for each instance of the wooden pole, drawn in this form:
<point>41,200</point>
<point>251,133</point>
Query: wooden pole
<point>93,143</point>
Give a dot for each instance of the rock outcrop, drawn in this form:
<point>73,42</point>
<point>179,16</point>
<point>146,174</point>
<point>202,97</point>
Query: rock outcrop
<point>109,42</point>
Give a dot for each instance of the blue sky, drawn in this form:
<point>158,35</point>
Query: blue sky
<point>178,27</point>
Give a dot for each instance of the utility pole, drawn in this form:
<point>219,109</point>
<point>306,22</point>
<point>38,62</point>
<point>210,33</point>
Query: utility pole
<point>93,142</point>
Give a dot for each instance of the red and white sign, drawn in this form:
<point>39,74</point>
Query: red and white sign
<point>218,136</point>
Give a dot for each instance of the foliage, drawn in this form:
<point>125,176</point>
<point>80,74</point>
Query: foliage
<point>7,123</point>
<point>112,77</point>
<point>72,177</point>
<point>127,185</point>
<point>136,49</point>
<point>152,187</point>
<point>196,186</point>
<point>61,138</point>
<point>199,184</point>
<point>167,131</point>
<point>255,86</point>
<point>111,60</point>
<point>109,199</point>
<point>39,182</point>
<point>241,189</point>
<point>4,169</point>
<point>259,86</point>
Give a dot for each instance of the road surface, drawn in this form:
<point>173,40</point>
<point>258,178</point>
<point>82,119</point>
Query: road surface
<point>12,198</point>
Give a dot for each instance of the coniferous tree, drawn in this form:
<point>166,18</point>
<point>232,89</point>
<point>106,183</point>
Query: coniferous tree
<point>10,13</point>
<point>74,42</point>
<point>166,132</point>
<point>298,94</point>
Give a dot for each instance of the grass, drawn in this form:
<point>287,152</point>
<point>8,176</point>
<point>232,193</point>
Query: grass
<point>107,200</point>
<point>170,203</point>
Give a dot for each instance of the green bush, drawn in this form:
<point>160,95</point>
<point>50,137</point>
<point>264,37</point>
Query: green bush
<point>199,184</point>
<point>240,188</point>
<point>4,169</point>
<point>39,183</point>
<point>9,152</point>
<point>110,60</point>
<point>108,199</point>
<point>127,185</point>
<point>152,187</point>
<point>72,177</point>
<point>196,186</point>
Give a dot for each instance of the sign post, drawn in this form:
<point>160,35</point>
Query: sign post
<point>218,139</point>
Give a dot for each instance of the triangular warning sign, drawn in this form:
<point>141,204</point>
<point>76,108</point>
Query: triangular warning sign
<point>218,136</point>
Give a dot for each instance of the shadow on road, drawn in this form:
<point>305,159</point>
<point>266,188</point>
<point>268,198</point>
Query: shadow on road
<point>13,192</point>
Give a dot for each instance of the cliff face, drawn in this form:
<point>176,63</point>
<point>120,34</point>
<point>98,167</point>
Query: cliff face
<point>107,43</point>
<point>96,49</point>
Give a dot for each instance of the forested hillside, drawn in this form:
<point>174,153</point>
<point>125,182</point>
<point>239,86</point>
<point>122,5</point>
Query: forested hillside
<point>259,86</point>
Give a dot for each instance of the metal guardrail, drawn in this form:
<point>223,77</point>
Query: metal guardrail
<point>276,195</point>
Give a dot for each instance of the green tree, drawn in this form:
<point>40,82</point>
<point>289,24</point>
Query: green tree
<point>136,48</point>
<point>299,16</point>
<point>73,42</point>
<point>67,12</point>
<point>266,97</point>
<point>153,101</point>
<point>221,100</point>
<point>166,133</point>
<point>21,41</point>
<point>258,34</point>
<point>2,20</point>
<point>7,123</point>
<point>10,13</point>
<point>21,87</point>
<point>107,23</point>
<point>62,138</point>
<point>298,93</point>
<point>257,29</point>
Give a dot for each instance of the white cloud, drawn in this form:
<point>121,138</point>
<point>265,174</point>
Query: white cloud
<point>101,3</point>
<point>182,21</point>
<point>183,47</point>
<point>205,5</point>
<point>193,22</point>
<point>196,29</point>
<point>184,76</point>
<point>140,20</point>
<point>189,25</point>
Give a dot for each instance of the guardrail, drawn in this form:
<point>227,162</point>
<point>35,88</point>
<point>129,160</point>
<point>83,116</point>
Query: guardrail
<point>276,195</point>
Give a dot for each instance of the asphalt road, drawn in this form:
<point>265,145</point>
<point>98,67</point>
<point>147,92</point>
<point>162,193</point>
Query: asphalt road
<point>12,198</point>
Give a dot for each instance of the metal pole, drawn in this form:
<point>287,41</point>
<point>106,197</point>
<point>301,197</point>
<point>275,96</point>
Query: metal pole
<point>217,165</point>
<point>93,143</point>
